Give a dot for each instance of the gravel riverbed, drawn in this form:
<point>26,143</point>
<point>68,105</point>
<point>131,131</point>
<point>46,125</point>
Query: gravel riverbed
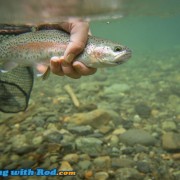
<point>126,126</point>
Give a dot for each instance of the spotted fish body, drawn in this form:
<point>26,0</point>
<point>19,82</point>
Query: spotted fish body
<point>33,48</point>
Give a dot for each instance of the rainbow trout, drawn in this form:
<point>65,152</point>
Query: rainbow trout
<point>33,48</point>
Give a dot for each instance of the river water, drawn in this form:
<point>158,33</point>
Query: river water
<point>98,140</point>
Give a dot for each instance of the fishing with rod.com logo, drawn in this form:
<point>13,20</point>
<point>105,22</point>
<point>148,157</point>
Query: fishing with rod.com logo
<point>36,172</point>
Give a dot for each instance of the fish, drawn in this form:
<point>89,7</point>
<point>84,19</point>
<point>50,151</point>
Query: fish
<point>36,48</point>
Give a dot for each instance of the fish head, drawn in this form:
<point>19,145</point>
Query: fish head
<point>112,54</point>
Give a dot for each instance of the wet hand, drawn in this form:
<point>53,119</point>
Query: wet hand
<point>78,37</point>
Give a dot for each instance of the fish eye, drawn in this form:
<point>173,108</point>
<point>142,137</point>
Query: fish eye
<point>117,49</point>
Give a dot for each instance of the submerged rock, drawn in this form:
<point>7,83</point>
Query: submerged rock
<point>116,88</point>
<point>137,136</point>
<point>169,125</point>
<point>24,149</point>
<point>19,141</point>
<point>101,176</point>
<point>37,140</point>
<point>143,110</point>
<point>81,130</point>
<point>98,119</point>
<point>102,163</point>
<point>122,162</point>
<point>128,173</point>
<point>65,166</point>
<point>85,164</point>
<point>71,158</point>
<point>143,167</point>
<point>171,141</point>
<point>54,137</point>
<point>89,145</point>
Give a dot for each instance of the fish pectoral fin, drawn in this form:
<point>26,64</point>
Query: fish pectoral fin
<point>8,66</point>
<point>46,73</point>
<point>42,71</point>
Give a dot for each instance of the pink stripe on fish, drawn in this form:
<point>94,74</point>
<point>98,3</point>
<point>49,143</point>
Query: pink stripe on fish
<point>36,46</point>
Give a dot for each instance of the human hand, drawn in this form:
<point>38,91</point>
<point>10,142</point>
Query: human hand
<point>78,37</point>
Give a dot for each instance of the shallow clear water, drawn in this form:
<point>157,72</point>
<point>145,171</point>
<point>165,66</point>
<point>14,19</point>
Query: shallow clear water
<point>147,34</point>
<point>144,93</point>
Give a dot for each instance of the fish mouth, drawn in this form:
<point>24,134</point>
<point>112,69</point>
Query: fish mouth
<point>123,56</point>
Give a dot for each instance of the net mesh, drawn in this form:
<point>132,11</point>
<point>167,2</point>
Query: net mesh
<point>15,89</point>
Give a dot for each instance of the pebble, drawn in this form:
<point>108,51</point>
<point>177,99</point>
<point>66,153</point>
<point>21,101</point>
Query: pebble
<point>127,150</point>
<point>19,141</point>
<point>80,130</point>
<point>143,167</point>
<point>53,158</point>
<point>128,124</point>
<point>104,129</point>
<point>88,174</point>
<point>3,129</point>
<point>114,140</point>
<point>119,131</point>
<point>46,163</point>
<point>102,163</point>
<point>67,139</point>
<point>87,107</point>
<point>71,158</point>
<point>98,119</point>
<point>137,136</point>
<point>137,119</point>
<point>24,149</point>
<point>52,119</point>
<point>113,89</point>
<point>143,110</point>
<point>89,145</point>
<point>68,147</point>
<point>26,163</point>
<point>37,140</point>
<point>84,157</point>
<point>85,164</point>
<point>54,137</point>
<point>100,77</point>
<point>128,173</point>
<point>115,152</point>
<point>169,126</point>
<point>101,176</point>
<point>12,165</point>
<point>52,127</point>
<point>53,147</point>
<point>140,148</point>
<point>155,113</point>
<point>65,166</point>
<point>14,157</point>
<point>122,163</point>
<point>38,121</point>
<point>171,141</point>
<point>176,175</point>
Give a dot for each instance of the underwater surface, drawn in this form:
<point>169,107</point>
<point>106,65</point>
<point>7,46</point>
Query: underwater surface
<point>128,120</point>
